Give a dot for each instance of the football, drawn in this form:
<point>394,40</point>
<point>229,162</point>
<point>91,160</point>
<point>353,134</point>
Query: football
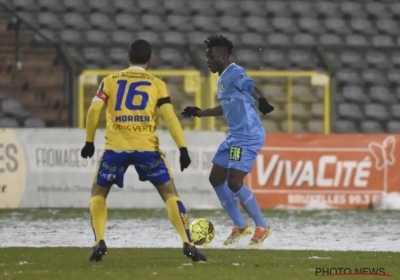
<point>202,231</point>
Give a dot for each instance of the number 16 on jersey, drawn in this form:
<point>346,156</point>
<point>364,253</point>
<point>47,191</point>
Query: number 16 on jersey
<point>130,95</point>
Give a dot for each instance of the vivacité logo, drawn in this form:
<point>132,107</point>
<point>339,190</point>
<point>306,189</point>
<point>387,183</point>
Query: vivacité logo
<point>344,171</point>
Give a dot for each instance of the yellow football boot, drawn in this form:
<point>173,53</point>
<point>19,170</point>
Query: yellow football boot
<point>236,234</point>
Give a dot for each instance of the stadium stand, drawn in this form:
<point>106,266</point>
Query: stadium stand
<point>359,40</point>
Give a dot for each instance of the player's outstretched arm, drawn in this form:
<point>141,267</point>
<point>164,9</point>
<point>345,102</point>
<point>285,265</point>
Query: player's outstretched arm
<point>175,129</point>
<point>239,77</point>
<point>211,112</point>
<point>92,121</point>
<point>263,104</point>
<point>197,112</point>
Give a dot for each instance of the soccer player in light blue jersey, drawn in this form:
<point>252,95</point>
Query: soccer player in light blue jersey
<point>235,156</point>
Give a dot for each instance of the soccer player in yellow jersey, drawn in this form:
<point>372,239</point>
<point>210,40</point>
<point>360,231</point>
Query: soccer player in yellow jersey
<point>131,97</point>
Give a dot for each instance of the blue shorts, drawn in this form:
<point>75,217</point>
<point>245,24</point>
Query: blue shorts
<point>150,166</point>
<point>238,154</point>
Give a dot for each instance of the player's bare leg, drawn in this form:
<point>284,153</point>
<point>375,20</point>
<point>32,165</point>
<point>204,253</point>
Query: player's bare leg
<point>240,229</point>
<point>98,218</point>
<point>248,201</point>
<point>179,218</point>
<point>218,175</point>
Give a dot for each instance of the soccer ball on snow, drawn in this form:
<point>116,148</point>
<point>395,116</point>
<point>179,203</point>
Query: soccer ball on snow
<point>202,232</point>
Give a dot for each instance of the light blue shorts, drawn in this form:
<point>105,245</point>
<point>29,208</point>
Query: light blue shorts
<point>238,153</point>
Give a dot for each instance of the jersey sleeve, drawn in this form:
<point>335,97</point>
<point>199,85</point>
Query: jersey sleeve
<point>167,112</point>
<point>163,94</point>
<point>93,114</point>
<point>102,93</point>
<point>240,79</point>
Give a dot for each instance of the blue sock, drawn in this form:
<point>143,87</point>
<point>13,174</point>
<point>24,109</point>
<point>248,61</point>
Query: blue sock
<point>249,203</point>
<point>230,205</point>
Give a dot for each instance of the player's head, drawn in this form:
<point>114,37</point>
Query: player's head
<point>218,51</point>
<point>140,53</point>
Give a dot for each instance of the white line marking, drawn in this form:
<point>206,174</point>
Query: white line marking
<point>308,149</point>
<point>317,191</point>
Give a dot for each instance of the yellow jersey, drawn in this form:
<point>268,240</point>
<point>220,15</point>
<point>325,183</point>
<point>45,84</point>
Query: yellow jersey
<point>131,97</point>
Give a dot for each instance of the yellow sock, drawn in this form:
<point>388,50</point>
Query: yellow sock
<point>177,215</point>
<point>98,217</point>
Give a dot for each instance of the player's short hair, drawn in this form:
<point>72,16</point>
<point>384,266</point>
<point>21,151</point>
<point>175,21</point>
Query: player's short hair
<point>219,41</point>
<point>139,51</point>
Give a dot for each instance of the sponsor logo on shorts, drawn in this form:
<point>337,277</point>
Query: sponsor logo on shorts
<point>112,168</point>
<point>153,165</point>
<point>108,177</point>
<point>235,153</point>
<point>158,173</point>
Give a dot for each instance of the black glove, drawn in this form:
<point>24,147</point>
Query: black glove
<point>184,158</point>
<point>190,112</point>
<point>264,106</point>
<point>88,150</point>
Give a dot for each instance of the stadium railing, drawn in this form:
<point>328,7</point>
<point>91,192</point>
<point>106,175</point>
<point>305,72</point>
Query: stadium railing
<point>185,88</point>
<point>287,90</point>
<point>305,88</point>
<point>40,71</point>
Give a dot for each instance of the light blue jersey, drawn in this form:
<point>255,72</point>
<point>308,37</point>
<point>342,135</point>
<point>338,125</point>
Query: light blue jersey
<point>237,104</point>
<point>246,133</point>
